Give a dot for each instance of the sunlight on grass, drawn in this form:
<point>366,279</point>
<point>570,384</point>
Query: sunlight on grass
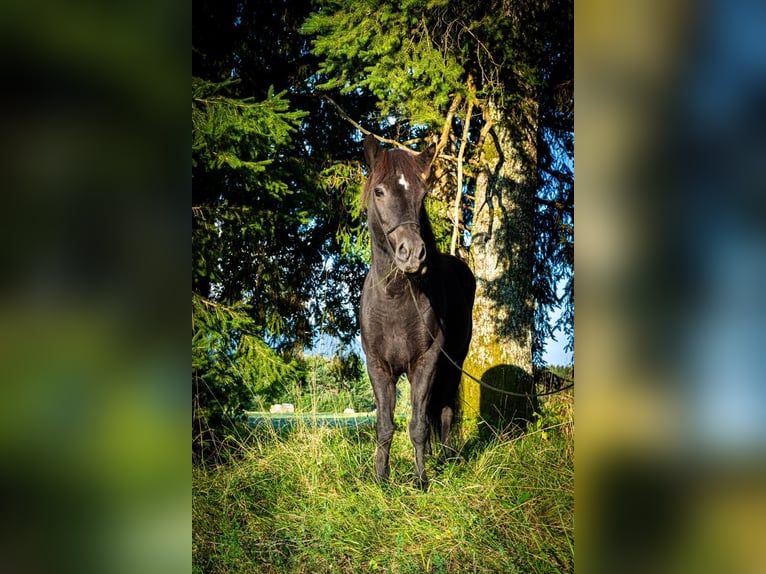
<point>305,500</point>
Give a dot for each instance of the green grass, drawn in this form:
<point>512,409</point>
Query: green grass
<point>305,500</point>
<point>290,420</point>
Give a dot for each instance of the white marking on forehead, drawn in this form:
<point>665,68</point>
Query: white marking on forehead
<point>403,182</point>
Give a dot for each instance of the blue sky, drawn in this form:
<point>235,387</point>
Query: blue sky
<point>554,351</point>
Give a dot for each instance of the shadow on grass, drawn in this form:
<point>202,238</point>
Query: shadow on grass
<point>502,415</point>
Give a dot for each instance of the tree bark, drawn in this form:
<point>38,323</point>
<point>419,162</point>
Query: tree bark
<point>502,249</point>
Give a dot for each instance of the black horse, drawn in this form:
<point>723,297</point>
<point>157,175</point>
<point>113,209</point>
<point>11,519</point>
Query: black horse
<point>416,302</point>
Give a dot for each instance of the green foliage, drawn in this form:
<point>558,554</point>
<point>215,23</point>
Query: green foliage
<point>387,49</point>
<point>240,133</point>
<point>563,371</point>
<point>244,268</point>
<point>278,237</point>
<point>324,385</point>
<point>306,501</point>
<point>343,182</point>
<point>245,217</point>
<point>440,222</point>
<point>230,364</point>
<point>421,60</point>
<point>555,416</point>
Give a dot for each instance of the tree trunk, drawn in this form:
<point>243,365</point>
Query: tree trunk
<point>502,254</point>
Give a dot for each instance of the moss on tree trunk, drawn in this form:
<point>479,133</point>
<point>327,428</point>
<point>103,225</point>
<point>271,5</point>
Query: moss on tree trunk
<point>502,256</point>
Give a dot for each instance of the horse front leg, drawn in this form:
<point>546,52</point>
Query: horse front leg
<point>384,387</point>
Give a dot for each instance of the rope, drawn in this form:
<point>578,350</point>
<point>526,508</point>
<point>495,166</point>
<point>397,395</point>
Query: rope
<point>469,375</point>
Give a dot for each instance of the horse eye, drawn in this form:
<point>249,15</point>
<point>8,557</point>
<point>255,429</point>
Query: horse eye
<point>378,191</point>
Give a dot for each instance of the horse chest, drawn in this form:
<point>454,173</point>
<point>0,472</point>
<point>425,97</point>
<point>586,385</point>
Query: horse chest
<point>396,333</point>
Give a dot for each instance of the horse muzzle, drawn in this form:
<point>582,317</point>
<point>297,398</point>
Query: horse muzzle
<point>410,254</point>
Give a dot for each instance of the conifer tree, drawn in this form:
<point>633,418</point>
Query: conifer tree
<point>279,89</point>
<point>491,83</point>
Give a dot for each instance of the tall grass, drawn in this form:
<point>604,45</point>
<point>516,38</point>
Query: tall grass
<point>306,501</point>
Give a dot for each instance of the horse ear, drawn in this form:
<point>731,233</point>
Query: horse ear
<point>371,149</point>
<point>426,159</point>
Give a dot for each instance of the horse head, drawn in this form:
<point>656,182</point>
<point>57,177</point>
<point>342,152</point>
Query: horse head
<point>394,193</point>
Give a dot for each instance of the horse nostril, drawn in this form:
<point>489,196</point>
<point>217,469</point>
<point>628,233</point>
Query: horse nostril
<point>422,252</point>
<point>404,251</point>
